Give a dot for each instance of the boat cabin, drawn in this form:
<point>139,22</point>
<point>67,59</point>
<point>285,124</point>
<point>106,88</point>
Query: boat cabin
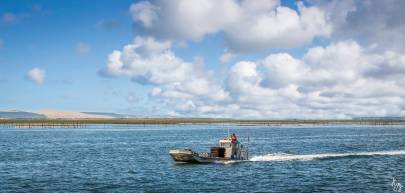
<point>227,149</point>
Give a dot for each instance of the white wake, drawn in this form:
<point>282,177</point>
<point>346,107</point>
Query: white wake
<point>291,157</point>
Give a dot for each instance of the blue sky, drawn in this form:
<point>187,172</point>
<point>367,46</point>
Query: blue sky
<point>47,38</point>
<point>280,59</point>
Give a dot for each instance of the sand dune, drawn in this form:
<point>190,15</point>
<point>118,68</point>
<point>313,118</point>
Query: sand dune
<point>52,114</point>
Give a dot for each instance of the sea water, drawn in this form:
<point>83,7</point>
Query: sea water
<point>125,158</point>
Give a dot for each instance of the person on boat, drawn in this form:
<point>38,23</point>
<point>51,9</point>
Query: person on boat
<point>234,145</point>
<point>234,138</point>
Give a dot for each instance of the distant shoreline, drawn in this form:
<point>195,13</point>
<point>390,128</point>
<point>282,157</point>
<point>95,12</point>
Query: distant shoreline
<point>79,123</point>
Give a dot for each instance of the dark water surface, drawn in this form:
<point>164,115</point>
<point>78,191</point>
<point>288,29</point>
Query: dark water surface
<point>136,159</point>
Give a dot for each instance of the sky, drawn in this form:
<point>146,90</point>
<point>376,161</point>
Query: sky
<point>262,59</point>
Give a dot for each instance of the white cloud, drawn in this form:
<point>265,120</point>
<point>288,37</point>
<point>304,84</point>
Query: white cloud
<point>377,23</point>
<point>250,26</point>
<point>151,62</point>
<point>282,70</point>
<point>332,81</point>
<point>183,20</point>
<point>226,57</point>
<point>359,74</point>
<point>36,75</point>
<point>83,48</point>
<point>9,18</point>
<point>144,12</point>
<point>148,61</point>
<point>247,25</point>
<point>337,81</point>
<point>280,27</point>
<point>244,78</point>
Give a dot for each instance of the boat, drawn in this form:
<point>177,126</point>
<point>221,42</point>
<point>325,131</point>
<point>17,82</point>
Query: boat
<point>228,150</point>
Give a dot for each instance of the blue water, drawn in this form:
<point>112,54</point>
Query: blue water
<point>135,159</point>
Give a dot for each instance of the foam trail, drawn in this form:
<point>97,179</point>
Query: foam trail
<point>290,157</point>
<point>232,162</point>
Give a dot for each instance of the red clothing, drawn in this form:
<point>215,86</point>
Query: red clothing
<point>234,138</point>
